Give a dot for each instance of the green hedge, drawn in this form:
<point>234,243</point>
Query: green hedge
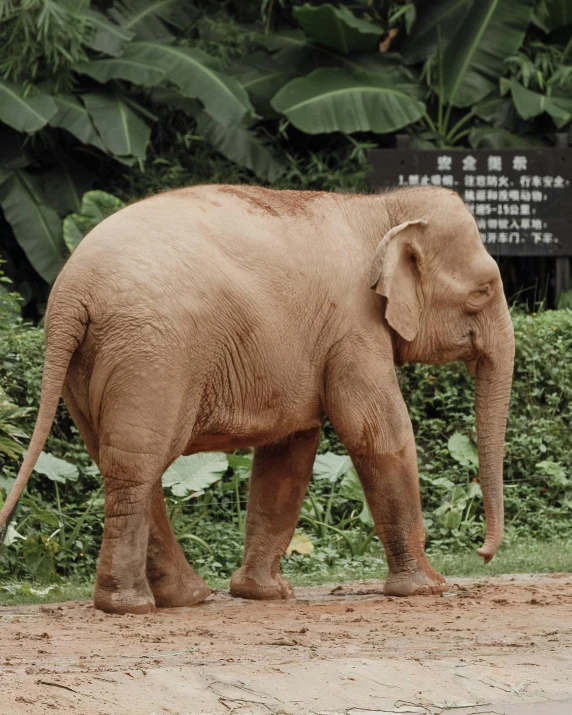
<point>537,465</point>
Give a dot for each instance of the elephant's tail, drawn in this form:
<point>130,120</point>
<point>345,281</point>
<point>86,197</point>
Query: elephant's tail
<point>65,334</point>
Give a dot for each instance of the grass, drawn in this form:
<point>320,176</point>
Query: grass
<point>25,594</point>
<point>520,557</point>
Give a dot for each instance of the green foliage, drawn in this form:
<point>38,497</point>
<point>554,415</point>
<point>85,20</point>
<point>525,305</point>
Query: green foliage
<point>190,476</point>
<point>337,28</point>
<point>42,40</point>
<point>556,14</point>
<point>565,300</point>
<point>11,436</point>
<point>434,29</point>
<point>338,486</point>
<point>463,450</point>
<point>475,58</point>
<point>35,223</point>
<point>57,470</point>
<point>333,100</point>
<point>95,206</point>
<point>9,301</point>
<point>136,96</point>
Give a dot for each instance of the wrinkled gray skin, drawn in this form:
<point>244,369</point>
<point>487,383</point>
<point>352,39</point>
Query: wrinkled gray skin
<point>220,317</point>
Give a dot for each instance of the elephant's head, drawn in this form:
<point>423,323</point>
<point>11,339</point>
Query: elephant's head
<point>444,301</point>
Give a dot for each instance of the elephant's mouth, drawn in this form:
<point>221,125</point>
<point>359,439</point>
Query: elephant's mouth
<point>468,346</point>
<point>472,345</point>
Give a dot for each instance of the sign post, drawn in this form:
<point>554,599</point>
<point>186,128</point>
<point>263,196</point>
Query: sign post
<point>521,198</point>
<point>562,264</point>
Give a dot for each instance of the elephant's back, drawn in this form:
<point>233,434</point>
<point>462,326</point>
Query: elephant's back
<point>251,226</point>
<point>193,245</point>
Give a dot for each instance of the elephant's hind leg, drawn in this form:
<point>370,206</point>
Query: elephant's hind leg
<point>121,585</point>
<point>280,476</point>
<point>171,578</point>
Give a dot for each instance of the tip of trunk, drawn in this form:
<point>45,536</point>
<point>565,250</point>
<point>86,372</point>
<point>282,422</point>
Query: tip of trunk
<point>488,549</point>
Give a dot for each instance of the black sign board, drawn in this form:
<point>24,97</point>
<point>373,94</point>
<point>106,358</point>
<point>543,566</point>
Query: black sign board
<point>521,199</point>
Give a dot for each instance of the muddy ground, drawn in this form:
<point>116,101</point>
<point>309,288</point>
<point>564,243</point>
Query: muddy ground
<point>503,644</point>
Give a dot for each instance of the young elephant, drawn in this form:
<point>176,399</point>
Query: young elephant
<point>219,317</point>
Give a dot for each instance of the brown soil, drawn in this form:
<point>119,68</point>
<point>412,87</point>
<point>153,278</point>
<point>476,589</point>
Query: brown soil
<point>502,644</point>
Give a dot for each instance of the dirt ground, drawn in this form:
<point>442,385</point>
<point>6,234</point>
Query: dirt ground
<point>503,644</point>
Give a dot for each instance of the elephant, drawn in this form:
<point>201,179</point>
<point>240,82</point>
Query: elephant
<point>221,317</point>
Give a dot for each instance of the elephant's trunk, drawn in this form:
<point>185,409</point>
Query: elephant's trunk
<point>493,381</point>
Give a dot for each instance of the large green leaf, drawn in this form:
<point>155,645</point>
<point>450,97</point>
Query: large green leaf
<point>36,225</point>
<point>261,76</point>
<point>559,14</point>
<point>25,114</point>
<point>351,488</point>
<point>14,153</point>
<point>439,18</point>
<point>495,110</point>
<point>122,131</point>
<point>65,183</point>
<point>106,36</point>
<point>330,100</point>
<point>292,49</point>
<point>95,206</point>
<point>12,535</point>
<point>133,65</point>
<point>147,18</point>
<point>384,62</point>
<point>198,76</point>
<point>475,57</point>
<point>284,39</point>
<point>331,466</point>
<point>241,145</point>
<point>72,116</point>
<point>194,474</point>
<point>530,104</point>
<point>58,470</point>
<point>463,450</point>
<point>338,28</point>
<point>499,138</point>
<point>299,55</point>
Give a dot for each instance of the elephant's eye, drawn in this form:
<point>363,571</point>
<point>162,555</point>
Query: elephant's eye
<point>478,297</point>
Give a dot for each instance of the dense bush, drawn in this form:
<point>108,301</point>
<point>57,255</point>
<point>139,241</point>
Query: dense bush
<point>59,523</point>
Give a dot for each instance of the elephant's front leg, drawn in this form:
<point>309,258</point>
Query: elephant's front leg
<point>375,427</point>
<point>280,476</point>
<point>391,485</point>
<point>172,580</point>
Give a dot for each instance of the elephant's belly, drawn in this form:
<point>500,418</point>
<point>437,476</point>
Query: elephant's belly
<point>243,435</point>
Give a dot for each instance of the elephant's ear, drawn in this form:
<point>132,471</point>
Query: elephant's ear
<point>395,274</point>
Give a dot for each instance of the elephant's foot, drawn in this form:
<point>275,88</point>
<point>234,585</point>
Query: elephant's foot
<point>175,588</point>
<point>137,600</point>
<point>414,583</point>
<point>259,585</point>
